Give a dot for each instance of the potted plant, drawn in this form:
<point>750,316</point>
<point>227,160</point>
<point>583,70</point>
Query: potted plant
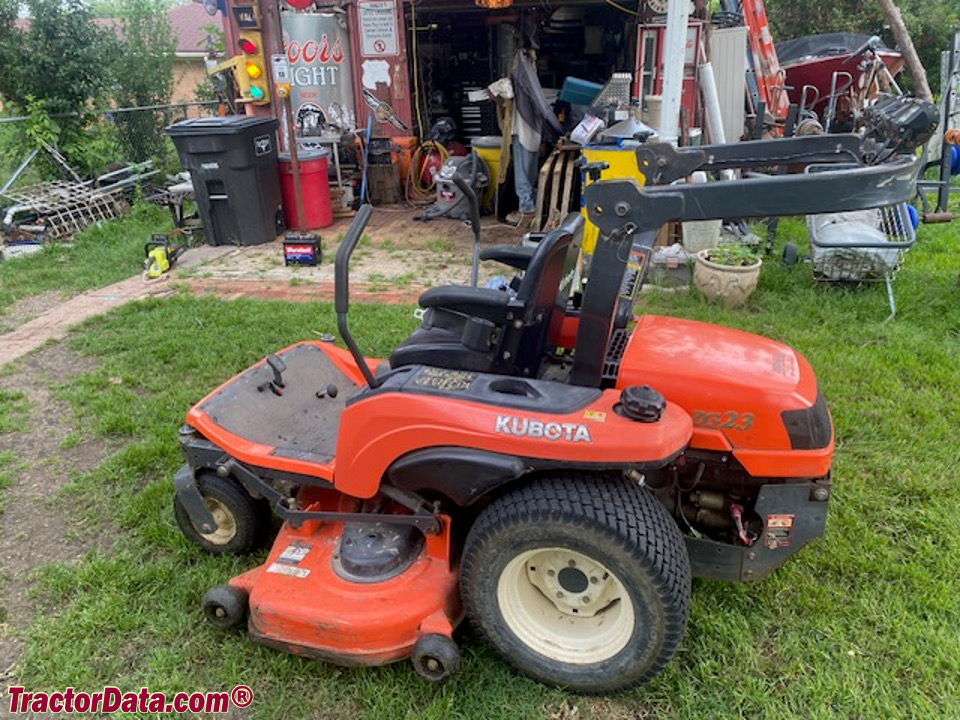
<point>727,273</point>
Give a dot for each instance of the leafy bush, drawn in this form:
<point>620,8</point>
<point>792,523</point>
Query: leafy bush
<point>732,254</point>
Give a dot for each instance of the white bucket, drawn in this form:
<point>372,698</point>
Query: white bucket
<point>700,234</point>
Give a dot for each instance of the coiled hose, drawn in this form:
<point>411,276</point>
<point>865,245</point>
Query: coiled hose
<point>417,191</point>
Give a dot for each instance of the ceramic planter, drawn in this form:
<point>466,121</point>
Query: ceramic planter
<point>729,285</point>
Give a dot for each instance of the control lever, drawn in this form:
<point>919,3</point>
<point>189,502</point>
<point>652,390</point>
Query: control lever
<point>276,385</point>
<point>278,367</point>
<point>593,169</point>
<point>474,204</point>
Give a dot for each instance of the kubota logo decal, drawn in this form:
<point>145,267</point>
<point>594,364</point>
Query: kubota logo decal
<point>524,427</point>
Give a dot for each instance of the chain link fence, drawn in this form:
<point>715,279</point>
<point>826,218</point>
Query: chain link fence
<point>140,129</point>
<point>111,137</point>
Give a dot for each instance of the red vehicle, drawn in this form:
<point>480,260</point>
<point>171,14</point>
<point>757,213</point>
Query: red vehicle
<point>531,459</point>
<point>842,71</point>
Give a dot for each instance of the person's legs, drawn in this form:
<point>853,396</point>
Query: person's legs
<point>524,176</point>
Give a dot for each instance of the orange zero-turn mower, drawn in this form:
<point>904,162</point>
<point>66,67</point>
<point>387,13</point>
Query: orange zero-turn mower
<point>529,458</point>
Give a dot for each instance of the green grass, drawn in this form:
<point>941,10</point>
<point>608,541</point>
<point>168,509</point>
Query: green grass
<point>439,245</point>
<point>14,411</point>
<point>102,254</point>
<point>865,623</point>
<point>8,466</point>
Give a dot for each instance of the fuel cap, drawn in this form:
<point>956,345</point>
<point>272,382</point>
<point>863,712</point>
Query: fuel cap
<point>641,403</point>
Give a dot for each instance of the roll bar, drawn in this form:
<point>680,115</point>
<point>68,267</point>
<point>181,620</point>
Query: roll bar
<point>341,288</point>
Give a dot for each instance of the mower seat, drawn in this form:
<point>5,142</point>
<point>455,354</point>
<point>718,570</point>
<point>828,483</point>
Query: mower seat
<point>516,256</point>
<point>487,330</point>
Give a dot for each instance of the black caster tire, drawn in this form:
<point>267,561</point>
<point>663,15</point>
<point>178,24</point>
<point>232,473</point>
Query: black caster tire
<point>243,522</point>
<point>225,606</point>
<point>791,256</point>
<point>435,657</point>
<point>579,581</point>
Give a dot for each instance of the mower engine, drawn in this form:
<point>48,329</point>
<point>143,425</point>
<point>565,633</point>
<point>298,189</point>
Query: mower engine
<point>901,122</point>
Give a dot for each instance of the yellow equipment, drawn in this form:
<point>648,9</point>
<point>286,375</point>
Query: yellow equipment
<point>160,256</point>
<point>623,164</point>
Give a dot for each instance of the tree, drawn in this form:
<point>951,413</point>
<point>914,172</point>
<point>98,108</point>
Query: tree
<point>931,23</point>
<point>60,58</point>
<point>144,75</point>
<point>905,43</point>
<point>56,67</point>
<point>115,8</point>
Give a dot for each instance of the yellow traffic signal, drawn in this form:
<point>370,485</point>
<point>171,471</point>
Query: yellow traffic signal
<point>251,77</point>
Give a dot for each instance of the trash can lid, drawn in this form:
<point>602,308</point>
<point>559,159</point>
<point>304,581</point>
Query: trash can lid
<point>487,141</point>
<point>304,154</point>
<point>221,125</point>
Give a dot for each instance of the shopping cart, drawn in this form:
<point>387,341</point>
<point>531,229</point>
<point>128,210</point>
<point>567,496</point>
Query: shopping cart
<point>865,246</point>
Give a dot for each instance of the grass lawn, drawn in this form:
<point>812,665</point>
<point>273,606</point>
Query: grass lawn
<point>102,254</point>
<point>865,623</point>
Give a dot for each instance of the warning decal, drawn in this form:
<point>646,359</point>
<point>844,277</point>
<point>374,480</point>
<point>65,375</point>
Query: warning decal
<point>779,531</point>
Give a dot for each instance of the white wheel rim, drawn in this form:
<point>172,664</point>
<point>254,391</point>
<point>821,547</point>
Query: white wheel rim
<point>565,606</point>
<point>226,523</point>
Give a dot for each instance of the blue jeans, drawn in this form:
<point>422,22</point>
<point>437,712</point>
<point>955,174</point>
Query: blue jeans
<point>525,176</point>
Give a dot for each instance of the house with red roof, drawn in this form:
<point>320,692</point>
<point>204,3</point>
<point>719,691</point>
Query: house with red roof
<point>197,32</point>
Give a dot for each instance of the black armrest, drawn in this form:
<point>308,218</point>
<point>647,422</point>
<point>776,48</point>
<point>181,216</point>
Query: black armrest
<point>485,303</point>
<point>516,256</point>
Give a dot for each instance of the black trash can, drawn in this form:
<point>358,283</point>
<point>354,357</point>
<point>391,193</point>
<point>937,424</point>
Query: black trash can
<point>233,164</point>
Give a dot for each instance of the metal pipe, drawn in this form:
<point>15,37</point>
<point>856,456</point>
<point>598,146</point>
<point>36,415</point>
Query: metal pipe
<point>711,102</point>
<point>674,52</point>
<point>16,173</point>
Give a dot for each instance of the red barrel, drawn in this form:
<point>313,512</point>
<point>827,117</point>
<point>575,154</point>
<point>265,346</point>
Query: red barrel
<point>314,186</point>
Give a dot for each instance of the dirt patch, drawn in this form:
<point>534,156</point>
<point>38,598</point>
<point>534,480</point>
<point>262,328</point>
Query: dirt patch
<point>31,528</point>
<point>26,309</point>
<point>396,252</point>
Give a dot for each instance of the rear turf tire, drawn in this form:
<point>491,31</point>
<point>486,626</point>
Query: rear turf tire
<point>579,581</point>
<point>243,521</point>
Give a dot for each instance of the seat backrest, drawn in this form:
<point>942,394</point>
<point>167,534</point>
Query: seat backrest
<point>547,285</point>
<point>507,334</point>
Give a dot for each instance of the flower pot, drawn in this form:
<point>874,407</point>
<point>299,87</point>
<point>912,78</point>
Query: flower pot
<point>729,285</point>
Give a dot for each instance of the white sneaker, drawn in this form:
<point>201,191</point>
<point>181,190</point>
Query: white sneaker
<point>518,218</point>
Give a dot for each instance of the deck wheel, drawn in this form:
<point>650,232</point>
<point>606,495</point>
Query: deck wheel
<point>225,606</point>
<point>435,657</point>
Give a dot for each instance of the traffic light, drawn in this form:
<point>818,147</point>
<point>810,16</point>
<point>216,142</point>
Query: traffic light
<point>251,71</point>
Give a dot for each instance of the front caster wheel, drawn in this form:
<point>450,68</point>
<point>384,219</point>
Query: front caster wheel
<point>242,521</point>
<point>435,657</point>
<point>582,582</point>
<point>225,606</point>
<point>791,255</point>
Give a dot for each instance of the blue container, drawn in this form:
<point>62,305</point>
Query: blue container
<point>579,92</point>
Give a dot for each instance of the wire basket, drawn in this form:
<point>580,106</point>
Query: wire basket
<point>866,246</point>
